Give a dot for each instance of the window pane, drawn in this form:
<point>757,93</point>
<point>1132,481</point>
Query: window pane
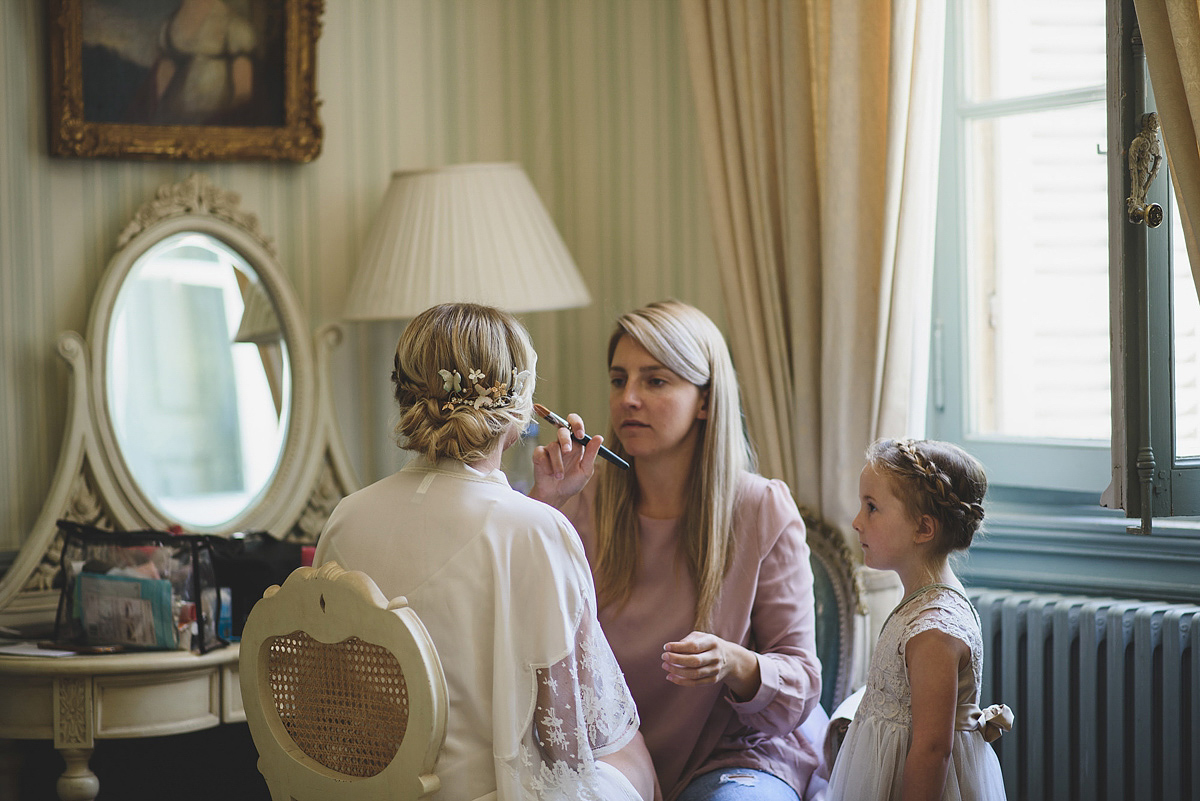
<point>1187,347</point>
<point>1016,48</point>
<point>1037,252</point>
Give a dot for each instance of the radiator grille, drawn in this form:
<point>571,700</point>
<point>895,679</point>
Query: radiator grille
<point>1106,694</point>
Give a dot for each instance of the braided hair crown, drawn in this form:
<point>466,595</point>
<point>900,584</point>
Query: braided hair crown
<point>939,479</point>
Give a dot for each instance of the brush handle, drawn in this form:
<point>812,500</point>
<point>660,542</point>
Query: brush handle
<point>555,420</point>
<point>605,452</point>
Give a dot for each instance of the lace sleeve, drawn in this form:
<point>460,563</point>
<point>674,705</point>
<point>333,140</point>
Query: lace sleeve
<point>584,708</point>
<point>944,618</point>
<point>581,710</point>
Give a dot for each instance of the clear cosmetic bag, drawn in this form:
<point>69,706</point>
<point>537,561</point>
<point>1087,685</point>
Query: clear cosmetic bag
<point>138,590</point>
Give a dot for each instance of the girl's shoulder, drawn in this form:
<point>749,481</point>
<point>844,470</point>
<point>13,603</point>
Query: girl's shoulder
<point>941,608</point>
<point>935,598</point>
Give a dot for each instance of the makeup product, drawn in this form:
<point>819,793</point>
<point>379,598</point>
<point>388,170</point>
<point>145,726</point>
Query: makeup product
<point>554,419</point>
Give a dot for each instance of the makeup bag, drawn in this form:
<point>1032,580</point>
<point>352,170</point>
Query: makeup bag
<point>138,590</point>
<point>247,563</point>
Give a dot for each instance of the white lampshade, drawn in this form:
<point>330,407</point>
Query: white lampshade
<point>466,233</point>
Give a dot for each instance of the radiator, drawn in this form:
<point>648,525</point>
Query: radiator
<point>1106,694</point>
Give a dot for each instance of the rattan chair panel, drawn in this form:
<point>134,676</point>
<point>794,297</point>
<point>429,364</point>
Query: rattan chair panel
<point>353,710</point>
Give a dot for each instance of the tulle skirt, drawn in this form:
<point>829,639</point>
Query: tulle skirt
<point>870,765</point>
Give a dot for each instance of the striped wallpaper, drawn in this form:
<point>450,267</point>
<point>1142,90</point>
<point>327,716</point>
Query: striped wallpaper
<point>592,96</point>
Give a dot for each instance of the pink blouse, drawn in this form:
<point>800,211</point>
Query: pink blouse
<point>766,605</point>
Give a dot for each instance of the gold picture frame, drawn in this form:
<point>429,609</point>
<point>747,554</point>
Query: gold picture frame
<point>200,80</point>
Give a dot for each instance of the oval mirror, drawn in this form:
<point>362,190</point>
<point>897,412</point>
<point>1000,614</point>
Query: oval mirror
<point>198,382</point>
<point>196,399</point>
<point>202,382</point>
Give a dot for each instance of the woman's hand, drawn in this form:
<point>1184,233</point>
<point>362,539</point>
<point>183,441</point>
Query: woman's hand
<point>562,468</point>
<point>701,658</point>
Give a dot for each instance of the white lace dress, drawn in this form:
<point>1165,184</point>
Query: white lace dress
<point>870,764</point>
<point>502,584</point>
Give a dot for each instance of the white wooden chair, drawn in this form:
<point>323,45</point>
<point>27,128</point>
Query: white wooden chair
<point>343,690</point>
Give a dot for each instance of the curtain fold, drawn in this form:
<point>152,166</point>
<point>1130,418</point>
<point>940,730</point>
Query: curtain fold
<point>819,122</point>
<point>765,214</point>
<point>1170,32</point>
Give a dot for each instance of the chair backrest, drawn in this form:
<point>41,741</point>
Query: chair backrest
<point>343,690</point>
<point>840,608</point>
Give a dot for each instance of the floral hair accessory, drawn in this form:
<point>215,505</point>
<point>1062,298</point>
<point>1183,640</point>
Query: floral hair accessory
<point>451,382</point>
<point>477,394</point>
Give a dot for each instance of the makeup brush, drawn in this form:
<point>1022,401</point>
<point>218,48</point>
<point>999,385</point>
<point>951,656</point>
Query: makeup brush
<point>554,419</point>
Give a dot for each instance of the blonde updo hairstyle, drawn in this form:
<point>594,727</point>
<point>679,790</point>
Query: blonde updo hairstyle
<point>938,479</point>
<point>462,338</point>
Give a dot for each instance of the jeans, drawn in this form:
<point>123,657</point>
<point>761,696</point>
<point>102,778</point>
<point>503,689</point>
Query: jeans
<point>737,784</point>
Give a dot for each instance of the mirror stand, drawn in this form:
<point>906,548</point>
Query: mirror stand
<point>94,481</point>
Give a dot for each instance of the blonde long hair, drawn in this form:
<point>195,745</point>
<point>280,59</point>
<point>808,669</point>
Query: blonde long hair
<point>684,340</point>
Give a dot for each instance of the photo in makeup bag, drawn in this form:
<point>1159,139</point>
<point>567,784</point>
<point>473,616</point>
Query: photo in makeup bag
<point>138,590</point>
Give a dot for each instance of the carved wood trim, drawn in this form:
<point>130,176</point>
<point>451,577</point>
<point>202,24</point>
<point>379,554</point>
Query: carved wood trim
<point>194,195</point>
<point>84,505</point>
<point>72,712</point>
<point>326,494</point>
<point>843,568</point>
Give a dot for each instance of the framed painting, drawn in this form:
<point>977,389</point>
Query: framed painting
<point>200,80</point>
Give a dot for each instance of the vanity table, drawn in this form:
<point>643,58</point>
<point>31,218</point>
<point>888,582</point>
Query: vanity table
<point>76,700</point>
<point>199,398</point>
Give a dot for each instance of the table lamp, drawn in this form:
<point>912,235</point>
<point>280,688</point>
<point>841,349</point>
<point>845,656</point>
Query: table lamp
<point>463,233</point>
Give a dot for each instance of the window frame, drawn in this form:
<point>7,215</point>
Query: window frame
<point>1062,539</point>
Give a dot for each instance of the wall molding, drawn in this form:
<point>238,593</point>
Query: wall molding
<point>1083,554</point>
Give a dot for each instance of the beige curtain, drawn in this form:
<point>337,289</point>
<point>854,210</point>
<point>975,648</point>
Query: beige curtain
<point>820,127</point>
<point>1171,35</point>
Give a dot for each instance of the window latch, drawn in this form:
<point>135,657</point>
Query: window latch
<point>1145,157</point>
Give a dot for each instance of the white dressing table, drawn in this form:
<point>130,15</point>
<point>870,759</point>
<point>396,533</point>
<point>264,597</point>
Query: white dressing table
<point>76,700</point>
<point>102,479</point>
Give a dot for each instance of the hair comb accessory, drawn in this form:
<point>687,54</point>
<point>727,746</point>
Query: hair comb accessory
<point>451,382</point>
<point>520,381</point>
<point>477,394</point>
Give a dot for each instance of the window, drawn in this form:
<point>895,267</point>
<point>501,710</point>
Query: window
<point>1023,325</point>
<point>1050,307</point>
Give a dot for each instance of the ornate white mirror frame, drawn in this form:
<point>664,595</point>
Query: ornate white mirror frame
<point>93,482</point>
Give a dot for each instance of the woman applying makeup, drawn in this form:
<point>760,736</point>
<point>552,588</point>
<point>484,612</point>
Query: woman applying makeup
<point>701,565</point>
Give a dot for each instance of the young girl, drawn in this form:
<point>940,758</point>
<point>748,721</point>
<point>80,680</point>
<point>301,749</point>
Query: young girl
<point>919,732</point>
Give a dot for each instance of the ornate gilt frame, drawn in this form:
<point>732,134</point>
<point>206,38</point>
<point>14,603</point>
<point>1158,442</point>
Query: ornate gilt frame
<point>298,139</point>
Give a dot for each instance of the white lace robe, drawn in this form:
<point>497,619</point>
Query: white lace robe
<point>502,584</point>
